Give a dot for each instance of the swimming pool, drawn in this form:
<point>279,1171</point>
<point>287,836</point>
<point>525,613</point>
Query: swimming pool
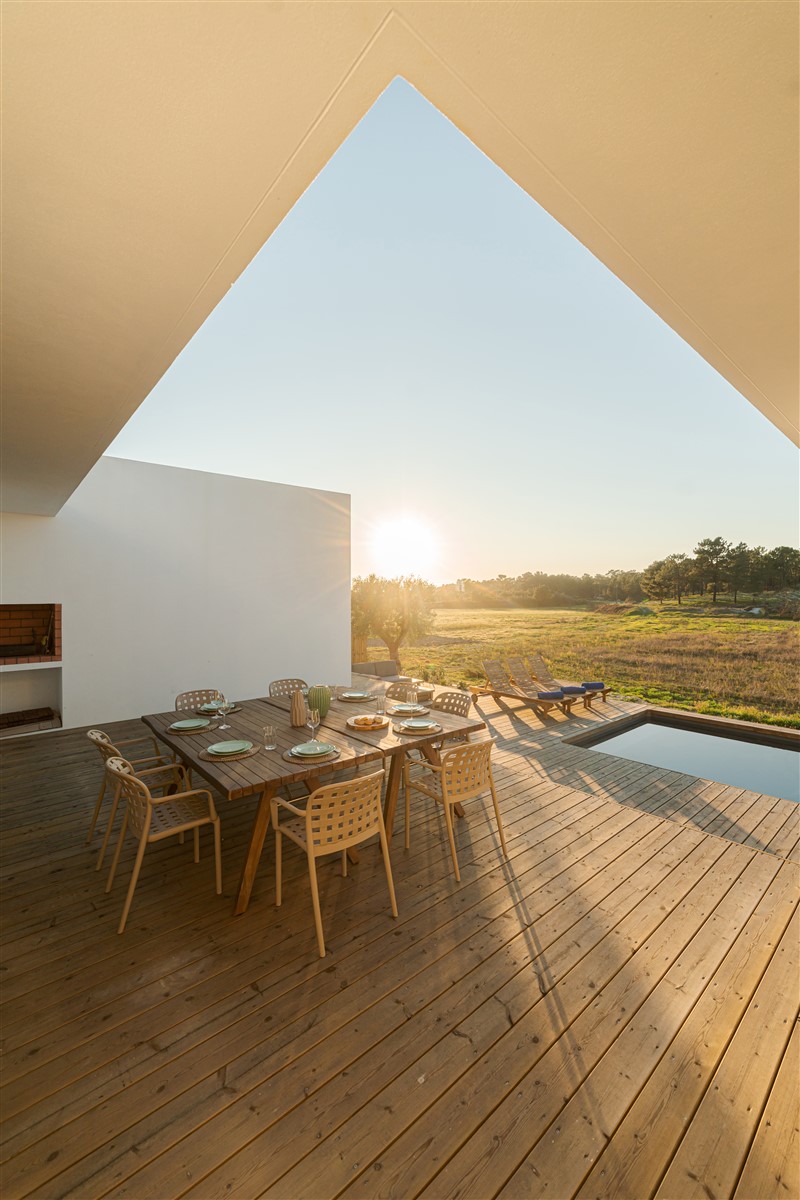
<point>759,758</point>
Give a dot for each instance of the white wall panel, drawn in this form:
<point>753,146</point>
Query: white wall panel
<point>173,579</point>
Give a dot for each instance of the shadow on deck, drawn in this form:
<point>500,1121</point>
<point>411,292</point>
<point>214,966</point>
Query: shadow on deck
<point>609,1011</point>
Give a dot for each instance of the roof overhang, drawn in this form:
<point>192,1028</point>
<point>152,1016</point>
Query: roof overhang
<point>150,151</point>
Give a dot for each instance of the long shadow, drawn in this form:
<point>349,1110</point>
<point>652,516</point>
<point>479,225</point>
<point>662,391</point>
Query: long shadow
<point>686,799</point>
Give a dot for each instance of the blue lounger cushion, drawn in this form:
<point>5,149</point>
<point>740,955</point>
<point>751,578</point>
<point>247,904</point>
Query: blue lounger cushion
<point>559,695</point>
<point>573,690</point>
<point>593,686</point>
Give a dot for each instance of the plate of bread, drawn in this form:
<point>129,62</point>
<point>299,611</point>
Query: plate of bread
<point>367,721</point>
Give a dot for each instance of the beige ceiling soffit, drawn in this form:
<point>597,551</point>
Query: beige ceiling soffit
<point>426,70</point>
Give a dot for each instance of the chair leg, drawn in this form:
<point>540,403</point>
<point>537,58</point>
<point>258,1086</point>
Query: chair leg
<point>388,865</point>
<point>448,816</point>
<point>117,852</point>
<point>197,843</point>
<point>312,878</point>
<point>344,864</point>
<point>137,866</point>
<point>278,857</point>
<point>217,857</point>
<point>97,807</point>
<point>111,816</point>
<point>497,817</point>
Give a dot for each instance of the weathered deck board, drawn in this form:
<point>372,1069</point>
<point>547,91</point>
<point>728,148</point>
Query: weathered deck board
<point>557,999</point>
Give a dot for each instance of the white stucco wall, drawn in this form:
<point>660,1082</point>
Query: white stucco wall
<point>172,579</point>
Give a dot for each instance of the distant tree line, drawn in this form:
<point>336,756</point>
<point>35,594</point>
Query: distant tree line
<point>714,567</point>
<point>719,566</point>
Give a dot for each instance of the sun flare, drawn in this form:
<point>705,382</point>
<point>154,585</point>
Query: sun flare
<point>404,545</point>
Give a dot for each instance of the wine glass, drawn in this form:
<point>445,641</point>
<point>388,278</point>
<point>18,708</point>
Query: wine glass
<point>312,722</point>
<point>223,708</point>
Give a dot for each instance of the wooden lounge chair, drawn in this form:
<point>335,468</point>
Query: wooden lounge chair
<point>498,684</point>
<point>589,691</point>
<point>554,696</point>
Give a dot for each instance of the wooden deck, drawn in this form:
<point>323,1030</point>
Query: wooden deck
<point>610,1012</point>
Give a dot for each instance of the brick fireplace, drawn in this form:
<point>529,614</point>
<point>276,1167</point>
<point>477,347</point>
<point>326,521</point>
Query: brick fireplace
<point>30,633</point>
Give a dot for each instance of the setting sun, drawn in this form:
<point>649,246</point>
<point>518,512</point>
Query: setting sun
<point>404,545</point>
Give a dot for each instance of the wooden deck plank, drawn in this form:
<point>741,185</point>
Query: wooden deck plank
<point>249,1037</point>
<point>706,1162</point>
<point>504,1107</point>
<point>550,930</point>
<point>202,1055</point>
<point>773,1163</point>
<point>591,833</point>
<point>591,1122</point>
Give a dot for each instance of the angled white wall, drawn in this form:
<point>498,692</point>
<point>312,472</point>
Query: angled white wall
<point>172,579</point>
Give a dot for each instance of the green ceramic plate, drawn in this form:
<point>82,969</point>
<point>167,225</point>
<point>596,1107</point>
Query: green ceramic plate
<point>409,708</point>
<point>223,748</point>
<point>353,696</point>
<point>313,749</point>
<point>212,706</point>
<point>419,723</point>
<point>195,723</point>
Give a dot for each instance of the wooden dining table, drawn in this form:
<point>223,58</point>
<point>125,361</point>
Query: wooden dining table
<point>267,771</point>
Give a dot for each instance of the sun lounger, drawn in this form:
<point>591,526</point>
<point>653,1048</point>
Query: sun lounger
<point>544,694</point>
<point>498,684</point>
<point>590,691</point>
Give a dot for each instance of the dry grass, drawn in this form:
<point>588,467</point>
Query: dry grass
<point>728,665</point>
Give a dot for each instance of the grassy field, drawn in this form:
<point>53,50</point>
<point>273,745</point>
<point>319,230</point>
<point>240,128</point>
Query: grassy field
<point>727,665</point>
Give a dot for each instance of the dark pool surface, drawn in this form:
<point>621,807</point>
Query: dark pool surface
<point>770,770</point>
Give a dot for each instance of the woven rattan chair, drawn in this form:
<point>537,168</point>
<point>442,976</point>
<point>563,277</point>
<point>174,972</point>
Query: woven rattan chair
<point>398,691</point>
<point>464,772</point>
<point>286,687</point>
<point>336,816</point>
<point>108,749</point>
<point>152,820</point>
<point>189,701</point>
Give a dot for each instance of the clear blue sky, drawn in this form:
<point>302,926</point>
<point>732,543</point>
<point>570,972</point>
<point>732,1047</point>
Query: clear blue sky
<point>421,334</point>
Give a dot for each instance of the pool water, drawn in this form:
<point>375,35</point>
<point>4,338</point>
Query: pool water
<point>771,770</point>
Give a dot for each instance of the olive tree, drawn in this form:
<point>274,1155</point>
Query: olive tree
<point>394,610</point>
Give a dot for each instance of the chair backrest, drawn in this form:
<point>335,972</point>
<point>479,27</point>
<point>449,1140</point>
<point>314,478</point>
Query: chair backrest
<point>103,743</point>
<point>135,793</point>
<point>286,687</point>
<point>521,676</point>
<point>364,668</point>
<point>188,701</point>
<point>458,703</point>
<point>466,770</point>
<point>397,691</point>
<point>540,670</point>
<point>497,675</point>
<point>341,814</point>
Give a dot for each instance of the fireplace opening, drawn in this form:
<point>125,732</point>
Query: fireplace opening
<point>30,633</point>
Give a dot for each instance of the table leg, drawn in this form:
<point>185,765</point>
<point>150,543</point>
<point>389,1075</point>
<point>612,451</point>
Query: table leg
<point>256,845</point>
<point>393,791</point>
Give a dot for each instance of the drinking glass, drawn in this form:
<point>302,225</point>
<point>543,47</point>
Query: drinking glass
<point>380,702</point>
<point>312,721</point>
<point>411,693</point>
<point>269,738</point>
<point>223,708</point>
